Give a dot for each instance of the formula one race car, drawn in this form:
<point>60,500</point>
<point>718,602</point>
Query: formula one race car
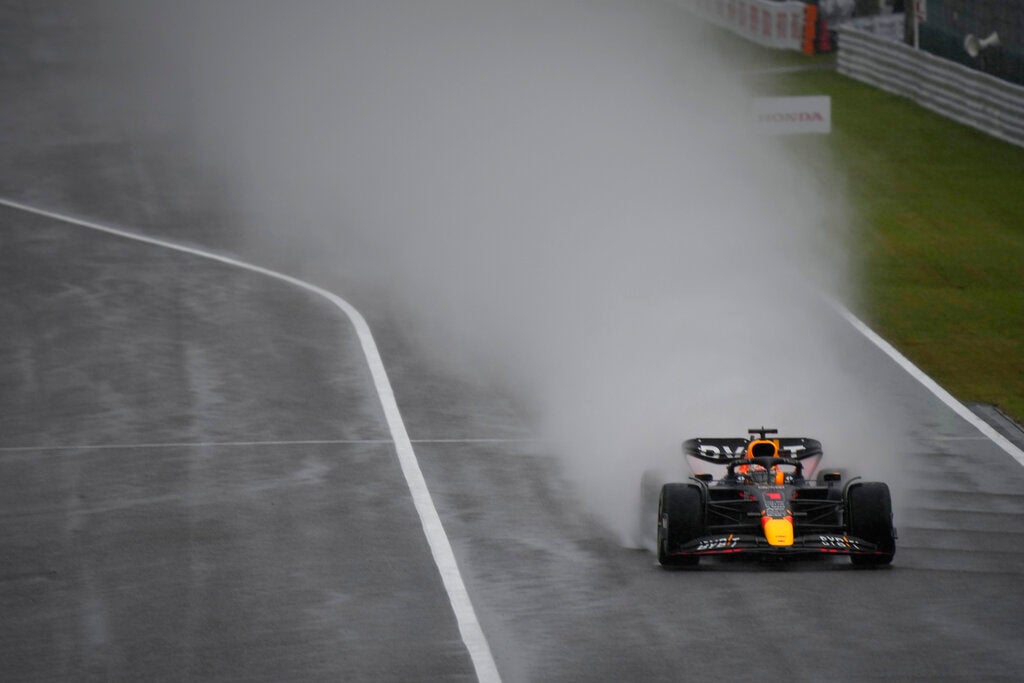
<point>766,506</point>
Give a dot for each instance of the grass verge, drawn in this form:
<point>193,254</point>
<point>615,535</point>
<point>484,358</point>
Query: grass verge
<point>939,214</point>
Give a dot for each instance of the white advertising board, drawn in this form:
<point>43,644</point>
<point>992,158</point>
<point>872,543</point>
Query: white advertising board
<point>793,115</point>
<point>773,23</point>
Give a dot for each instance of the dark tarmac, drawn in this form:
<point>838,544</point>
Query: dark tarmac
<point>196,480</point>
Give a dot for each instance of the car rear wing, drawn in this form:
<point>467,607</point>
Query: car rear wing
<point>722,451</point>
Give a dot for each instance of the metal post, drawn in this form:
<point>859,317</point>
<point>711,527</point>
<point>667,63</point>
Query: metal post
<point>920,12</point>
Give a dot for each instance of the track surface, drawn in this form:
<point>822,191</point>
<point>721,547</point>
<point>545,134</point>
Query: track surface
<point>143,535</point>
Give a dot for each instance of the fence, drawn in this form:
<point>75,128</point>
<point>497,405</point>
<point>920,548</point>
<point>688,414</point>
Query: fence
<point>773,23</point>
<point>953,90</point>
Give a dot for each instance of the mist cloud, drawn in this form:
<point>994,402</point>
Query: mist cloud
<point>564,196</point>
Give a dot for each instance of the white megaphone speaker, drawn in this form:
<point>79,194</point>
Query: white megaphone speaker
<point>974,46</point>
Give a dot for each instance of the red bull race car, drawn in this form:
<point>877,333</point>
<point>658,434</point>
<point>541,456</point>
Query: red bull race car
<point>768,504</point>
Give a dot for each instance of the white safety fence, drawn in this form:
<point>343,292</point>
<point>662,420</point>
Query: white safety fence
<point>888,26</point>
<point>767,22</point>
<point>970,97</point>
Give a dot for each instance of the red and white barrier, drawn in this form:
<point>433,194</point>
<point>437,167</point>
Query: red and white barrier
<point>786,25</point>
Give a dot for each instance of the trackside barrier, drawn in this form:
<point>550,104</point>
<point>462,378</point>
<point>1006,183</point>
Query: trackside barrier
<point>967,96</point>
<point>889,26</point>
<point>772,23</point>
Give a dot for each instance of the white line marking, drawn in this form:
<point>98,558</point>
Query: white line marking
<point>956,438</point>
<point>933,386</point>
<point>440,547</point>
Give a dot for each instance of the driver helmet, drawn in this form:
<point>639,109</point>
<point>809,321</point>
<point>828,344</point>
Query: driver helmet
<point>757,449</point>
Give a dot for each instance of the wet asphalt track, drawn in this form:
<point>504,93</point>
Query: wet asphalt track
<point>196,482</point>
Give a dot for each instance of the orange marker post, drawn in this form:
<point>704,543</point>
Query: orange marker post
<point>810,28</point>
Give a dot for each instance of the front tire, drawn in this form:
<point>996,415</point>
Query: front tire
<point>680,520</point>
<point>869,515</point>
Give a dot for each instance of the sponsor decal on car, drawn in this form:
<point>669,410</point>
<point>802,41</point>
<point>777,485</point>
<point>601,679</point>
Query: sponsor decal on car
<point>841,542</point>
<point>725,452</point>
<point>716,543</point>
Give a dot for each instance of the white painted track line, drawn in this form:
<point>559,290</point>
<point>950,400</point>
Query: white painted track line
<point>933,386</point>
<point>440,547</point>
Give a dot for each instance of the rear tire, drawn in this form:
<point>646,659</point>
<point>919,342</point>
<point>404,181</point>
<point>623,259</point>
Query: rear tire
<point>680,520</point>
<point>869,515</point>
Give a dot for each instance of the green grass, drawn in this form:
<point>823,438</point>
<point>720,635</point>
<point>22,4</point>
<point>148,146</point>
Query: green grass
<point>939,214</point>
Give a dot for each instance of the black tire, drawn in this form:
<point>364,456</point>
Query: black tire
<point>869,516</point>
<point>680,520</point>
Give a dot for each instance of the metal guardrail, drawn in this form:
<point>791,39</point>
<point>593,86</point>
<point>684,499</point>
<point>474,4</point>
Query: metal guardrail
<point>970,97</point>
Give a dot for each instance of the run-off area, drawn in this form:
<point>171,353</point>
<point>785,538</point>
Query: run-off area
<point>174,549</point>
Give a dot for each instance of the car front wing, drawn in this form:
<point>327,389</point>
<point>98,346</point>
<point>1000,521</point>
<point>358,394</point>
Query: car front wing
<point>755,544</point>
